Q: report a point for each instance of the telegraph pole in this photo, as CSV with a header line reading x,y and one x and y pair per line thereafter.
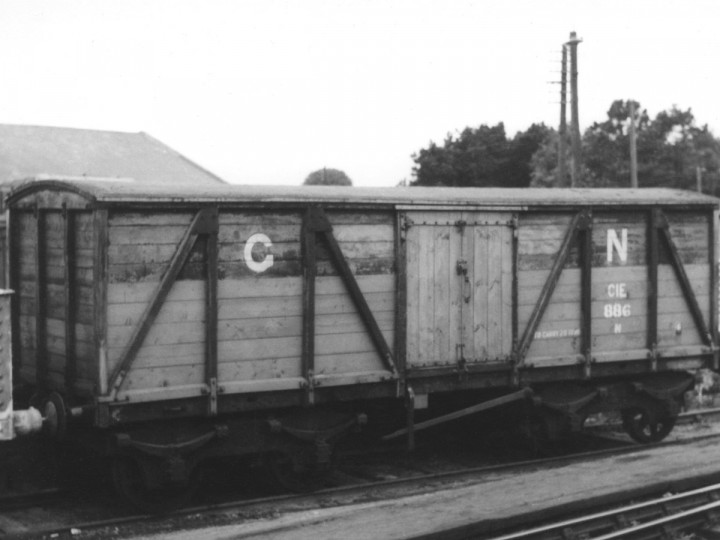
x,y
575,128
562,172
633,147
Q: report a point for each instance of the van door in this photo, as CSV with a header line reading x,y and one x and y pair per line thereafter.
x,y
459,287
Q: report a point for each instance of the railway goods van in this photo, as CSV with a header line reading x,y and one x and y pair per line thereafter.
x,y
172,325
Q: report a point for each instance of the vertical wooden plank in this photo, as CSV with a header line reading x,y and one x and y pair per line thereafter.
x,y
455,322
100,285
426,301
441,293
41,300
401,293
412,261
507,271
476,344
465,256
495,314
69,256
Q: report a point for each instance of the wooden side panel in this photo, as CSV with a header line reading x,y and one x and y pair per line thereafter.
x,y
259,298
620,282
53,292
84,276
691,233
557,338
620,288
25,230
140,248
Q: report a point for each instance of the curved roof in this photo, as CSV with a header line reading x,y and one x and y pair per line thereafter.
x,y
111,192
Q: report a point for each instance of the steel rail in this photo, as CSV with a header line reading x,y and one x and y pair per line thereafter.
x,y
626,514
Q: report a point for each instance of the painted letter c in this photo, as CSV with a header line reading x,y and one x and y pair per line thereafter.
x,y
267,262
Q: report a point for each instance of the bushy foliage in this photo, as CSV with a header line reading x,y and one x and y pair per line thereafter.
x,y
327,177
479,157
670,148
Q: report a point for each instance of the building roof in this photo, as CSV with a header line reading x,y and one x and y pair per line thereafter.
x,y
31,151
101,192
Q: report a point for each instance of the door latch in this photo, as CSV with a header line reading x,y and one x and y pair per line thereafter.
x,y
462,270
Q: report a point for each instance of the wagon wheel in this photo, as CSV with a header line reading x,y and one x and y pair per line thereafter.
x,y
638,423
54,415
128,480
291,475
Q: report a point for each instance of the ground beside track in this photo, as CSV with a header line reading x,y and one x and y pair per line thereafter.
x,y
498,500
297,517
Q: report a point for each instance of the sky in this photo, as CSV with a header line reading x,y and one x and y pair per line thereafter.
x,y
265,92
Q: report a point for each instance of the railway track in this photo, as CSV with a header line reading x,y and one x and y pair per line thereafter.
x,y
662,517
354,489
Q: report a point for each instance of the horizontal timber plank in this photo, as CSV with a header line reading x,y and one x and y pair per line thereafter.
x,y
347,363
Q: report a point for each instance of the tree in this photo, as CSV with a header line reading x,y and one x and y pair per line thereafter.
x,y
327,177
544,164
670,148
674,148
606,145
479,157
522,149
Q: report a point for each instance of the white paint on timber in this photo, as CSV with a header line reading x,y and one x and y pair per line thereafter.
x,y
560,333
617,290
617,244
267,262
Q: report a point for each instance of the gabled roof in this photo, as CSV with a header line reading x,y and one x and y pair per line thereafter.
x,y
31,151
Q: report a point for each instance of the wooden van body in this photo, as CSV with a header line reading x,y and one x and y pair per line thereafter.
x,y
146,302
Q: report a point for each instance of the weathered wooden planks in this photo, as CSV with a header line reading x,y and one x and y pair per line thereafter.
x,y
459,300
465,268
59,271
620,288
259,296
